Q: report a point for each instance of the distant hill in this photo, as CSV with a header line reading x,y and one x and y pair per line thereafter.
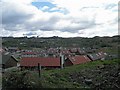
x,y
59,41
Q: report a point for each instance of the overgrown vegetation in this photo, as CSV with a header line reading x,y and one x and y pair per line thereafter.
x,y
98,74
20,79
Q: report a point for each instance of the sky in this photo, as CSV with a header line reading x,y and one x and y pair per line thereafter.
x,y
63,18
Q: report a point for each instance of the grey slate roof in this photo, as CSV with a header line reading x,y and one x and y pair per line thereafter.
x,y
94,56
5,58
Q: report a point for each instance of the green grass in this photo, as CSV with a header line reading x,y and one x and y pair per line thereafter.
x,y
60,78
77,68
112,50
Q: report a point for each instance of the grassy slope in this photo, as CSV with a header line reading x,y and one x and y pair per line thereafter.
x,y
74,76
102,73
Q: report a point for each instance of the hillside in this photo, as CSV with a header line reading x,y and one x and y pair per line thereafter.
x,y
39,42
98,74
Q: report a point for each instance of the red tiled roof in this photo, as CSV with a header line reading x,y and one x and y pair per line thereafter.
x,y
65,52
79,59
73,50
33,61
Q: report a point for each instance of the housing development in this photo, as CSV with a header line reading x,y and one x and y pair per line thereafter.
x,y
37,58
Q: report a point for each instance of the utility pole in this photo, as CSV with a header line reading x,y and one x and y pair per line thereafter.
x,y
39,69
61,61
3,68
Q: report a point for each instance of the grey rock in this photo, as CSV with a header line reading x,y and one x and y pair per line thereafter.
x,y
88,81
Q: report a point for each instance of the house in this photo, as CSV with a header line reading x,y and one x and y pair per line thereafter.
x,y
29,54
102,55
66,52
52,52
12,49
73,50
42,53
77,51
45,62
80,51
74,60
8,61
97,56
89,50
93,57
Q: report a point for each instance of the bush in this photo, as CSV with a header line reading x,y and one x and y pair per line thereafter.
x,y
21,79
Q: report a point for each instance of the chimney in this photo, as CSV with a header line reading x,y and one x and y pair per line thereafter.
x,y
62,61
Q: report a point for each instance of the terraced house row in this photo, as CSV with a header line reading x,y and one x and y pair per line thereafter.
x,y
58,62
51,58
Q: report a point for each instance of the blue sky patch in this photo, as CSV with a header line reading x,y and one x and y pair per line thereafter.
x,y
40,5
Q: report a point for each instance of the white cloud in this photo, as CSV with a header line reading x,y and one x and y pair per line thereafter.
x,y
83,18
43,0
45,8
